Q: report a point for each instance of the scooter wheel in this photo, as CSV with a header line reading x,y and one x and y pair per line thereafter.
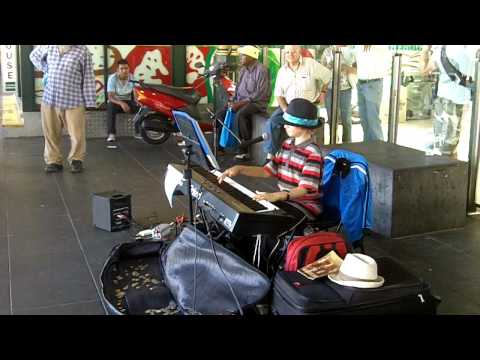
x,y
151,130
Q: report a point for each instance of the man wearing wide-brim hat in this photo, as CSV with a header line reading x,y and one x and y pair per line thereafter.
x,y
252,93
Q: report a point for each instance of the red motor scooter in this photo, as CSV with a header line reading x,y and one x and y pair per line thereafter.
x,y
154,120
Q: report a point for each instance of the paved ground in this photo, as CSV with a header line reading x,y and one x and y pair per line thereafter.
x,y
51,255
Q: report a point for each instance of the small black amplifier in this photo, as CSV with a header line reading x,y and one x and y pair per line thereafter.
x,y
112,210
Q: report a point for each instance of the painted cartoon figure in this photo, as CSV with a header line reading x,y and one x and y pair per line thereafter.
x,y
196,65
152,69
151,64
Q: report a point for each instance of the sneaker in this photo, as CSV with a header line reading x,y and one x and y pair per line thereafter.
x,y
138,136
76,166
51,168
242,156
111,137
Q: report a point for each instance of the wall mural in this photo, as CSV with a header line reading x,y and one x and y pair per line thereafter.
x,y
153,64
97,60
149,63
274,63
98,69
199,58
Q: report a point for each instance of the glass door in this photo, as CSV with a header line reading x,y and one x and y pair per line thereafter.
x,y
416,98
367,90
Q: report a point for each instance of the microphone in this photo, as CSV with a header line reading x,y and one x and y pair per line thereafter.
x,y
247,143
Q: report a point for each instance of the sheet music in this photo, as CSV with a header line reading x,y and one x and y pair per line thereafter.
x,y
173,178
213,161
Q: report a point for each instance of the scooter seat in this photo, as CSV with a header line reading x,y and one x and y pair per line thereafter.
x,y
188,95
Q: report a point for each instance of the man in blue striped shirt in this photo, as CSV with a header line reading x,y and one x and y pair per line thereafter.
x,y
69,89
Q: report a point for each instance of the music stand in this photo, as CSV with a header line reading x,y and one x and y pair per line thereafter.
x,y
193,135
197,150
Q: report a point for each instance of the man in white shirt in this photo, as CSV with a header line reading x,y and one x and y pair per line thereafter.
x,y
451,94
297,78
372,63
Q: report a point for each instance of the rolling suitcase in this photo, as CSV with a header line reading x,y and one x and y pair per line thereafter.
x,y
402,293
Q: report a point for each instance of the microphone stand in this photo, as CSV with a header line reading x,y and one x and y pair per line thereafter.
x,y
187,172
214,117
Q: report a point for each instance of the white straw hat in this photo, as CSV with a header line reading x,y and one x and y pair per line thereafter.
x,y
249,50
358,270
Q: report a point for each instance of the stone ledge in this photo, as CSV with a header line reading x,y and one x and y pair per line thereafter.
x,y
96,125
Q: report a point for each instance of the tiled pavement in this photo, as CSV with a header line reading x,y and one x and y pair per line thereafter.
x,y
51,255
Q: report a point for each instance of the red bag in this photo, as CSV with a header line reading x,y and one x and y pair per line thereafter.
x,y
304,250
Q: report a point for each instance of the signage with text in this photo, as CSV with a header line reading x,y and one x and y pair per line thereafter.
x,y
9,67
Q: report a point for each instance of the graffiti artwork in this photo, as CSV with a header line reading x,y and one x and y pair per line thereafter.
x,y
199,58
97,60
273,67
152,64
149,63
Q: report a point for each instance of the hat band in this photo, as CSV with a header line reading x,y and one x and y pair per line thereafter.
x,y
351,278
300,121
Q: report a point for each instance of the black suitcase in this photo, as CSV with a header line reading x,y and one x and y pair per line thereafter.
x,y
132,281
402,293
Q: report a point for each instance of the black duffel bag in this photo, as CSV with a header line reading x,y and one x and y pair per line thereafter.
x,y
132,281
206,278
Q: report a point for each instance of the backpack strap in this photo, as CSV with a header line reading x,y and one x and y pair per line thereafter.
x,y
451,70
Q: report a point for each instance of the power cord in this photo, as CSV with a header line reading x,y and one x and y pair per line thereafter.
x,y
279,238
136,227
151,230
256,253
195,257
200,192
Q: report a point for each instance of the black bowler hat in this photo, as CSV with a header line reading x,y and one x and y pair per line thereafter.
x,y
302,113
